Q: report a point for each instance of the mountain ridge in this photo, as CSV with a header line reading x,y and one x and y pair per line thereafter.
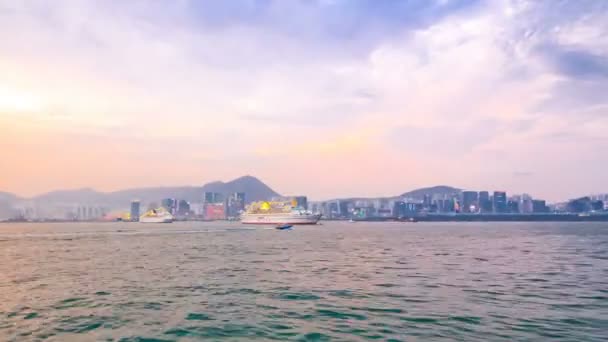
x,y
254,188
432,190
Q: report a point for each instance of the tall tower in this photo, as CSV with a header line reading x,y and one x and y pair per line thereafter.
x,y
135,210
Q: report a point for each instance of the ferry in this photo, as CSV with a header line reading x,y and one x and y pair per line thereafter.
x,y
278,213
159,215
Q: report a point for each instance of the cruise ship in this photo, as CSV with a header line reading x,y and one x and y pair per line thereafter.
x,y
159,215
278,213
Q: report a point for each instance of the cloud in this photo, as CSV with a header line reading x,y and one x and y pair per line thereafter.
x,y
388,88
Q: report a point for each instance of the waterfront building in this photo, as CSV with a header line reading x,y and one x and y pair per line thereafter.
x,y
526,206
485,203
135,211
333,210
539,206
469,201
236,204
315,207
407,208
198,210
213,197
169,204
500,202
183,208
513,206
89,213
215,211
301,201
426,201
344,208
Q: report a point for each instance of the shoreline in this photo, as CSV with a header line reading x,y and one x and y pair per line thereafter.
x,y
409,219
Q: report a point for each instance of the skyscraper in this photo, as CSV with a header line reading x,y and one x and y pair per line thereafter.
x,y
485,204
513,207
301,201
209,197
539,206
236,204
213,197
170,204
426,201
500,202
183,208
469,201
526,206
135,211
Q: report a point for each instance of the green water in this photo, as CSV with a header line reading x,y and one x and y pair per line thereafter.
x,y
337,281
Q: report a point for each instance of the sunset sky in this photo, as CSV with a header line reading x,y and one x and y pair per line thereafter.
x,y
326,98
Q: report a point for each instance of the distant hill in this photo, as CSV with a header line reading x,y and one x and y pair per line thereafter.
x,y
85,195
415,194
434,190
254,189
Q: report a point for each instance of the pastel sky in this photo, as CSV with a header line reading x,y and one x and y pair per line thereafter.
x,y
326,98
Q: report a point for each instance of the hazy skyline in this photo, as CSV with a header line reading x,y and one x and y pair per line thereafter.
x,y
325,98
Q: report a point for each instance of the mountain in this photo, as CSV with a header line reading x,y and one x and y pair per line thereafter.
x,y
414,194
85,195
254,189
434,190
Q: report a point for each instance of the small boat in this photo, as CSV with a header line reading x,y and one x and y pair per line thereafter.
x,y
284,227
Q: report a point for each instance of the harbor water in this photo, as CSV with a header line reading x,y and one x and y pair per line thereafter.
x,y
337,281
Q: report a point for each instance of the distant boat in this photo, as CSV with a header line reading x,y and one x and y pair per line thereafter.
x,y
159,215
284,227
278,212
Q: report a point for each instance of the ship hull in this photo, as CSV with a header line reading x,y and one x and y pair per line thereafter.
x,y
155,219
280,219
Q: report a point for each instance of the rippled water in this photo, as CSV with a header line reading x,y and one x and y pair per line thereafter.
x,y
337,281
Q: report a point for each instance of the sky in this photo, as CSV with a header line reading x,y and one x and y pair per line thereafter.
x,y
326,98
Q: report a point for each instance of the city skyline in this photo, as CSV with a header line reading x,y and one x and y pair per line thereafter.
x,y
397,194
328,98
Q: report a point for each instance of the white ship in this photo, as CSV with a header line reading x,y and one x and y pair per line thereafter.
x,y
278,213
159,215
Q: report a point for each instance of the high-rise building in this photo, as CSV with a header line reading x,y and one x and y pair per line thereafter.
x,y
407,208
215,211
209,197
183,208
526,206
315,207
539,206
170,205
470,202
301,201
135,211
236,204
441,205
344,208
500,202
513,206
87,213
485,204
213,197
198,209
426,201
334,209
